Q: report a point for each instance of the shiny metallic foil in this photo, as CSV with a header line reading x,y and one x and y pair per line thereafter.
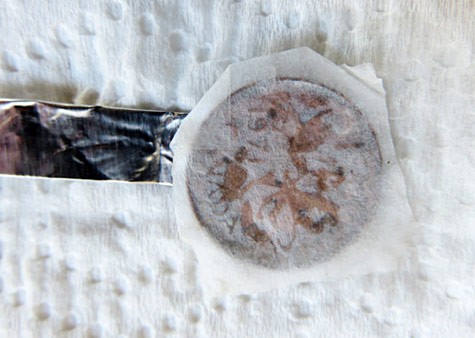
x,y
86,142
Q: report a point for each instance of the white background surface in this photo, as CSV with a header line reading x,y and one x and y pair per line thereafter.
x,y
85,259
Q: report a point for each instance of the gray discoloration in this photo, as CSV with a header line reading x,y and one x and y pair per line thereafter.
x,y
287,175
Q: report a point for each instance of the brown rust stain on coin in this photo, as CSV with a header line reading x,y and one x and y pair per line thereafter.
x,y
285,174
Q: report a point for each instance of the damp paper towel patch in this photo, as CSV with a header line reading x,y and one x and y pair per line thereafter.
x,y
285,172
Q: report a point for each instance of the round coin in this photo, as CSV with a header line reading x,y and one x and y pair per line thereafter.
x,y
286,173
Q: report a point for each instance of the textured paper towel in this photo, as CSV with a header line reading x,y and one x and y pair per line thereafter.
x,y
79,261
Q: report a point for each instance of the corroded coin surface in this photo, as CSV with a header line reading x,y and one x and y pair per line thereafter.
x,y
285,174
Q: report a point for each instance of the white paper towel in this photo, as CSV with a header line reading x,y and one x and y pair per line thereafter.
x,y
79,261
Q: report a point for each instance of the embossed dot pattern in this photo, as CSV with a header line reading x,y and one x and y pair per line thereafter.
x,y
287,174
424,52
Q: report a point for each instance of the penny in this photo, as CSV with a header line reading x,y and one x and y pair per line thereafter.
x,y
287,175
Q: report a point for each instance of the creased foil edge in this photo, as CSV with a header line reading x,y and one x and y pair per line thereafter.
x,y
86,142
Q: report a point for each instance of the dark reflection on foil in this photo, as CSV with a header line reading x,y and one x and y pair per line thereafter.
x,y
86,142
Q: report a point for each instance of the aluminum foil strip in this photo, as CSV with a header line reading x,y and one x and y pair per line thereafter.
x,y
86,142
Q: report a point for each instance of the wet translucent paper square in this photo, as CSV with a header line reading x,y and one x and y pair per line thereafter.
x,y
285,172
